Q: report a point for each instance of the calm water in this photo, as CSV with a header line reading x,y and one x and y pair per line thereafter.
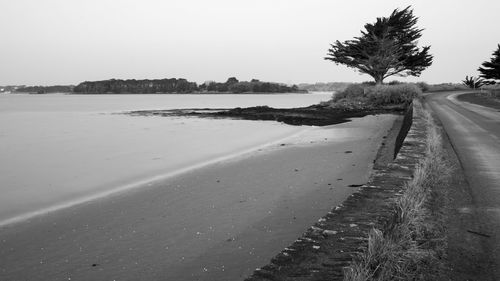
x,y
59,149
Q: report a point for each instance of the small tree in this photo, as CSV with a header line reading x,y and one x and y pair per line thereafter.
x,y
491,69
474,82
387,47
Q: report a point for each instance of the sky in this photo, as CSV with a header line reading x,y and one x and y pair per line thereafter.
x,y
69,41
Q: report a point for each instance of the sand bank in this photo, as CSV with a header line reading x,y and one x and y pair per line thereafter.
x,y
218,222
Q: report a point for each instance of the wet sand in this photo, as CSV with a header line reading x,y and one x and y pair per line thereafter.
x,y
57,150
219,222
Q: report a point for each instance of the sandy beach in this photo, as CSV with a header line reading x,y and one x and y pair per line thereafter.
x,y
219,222
59,149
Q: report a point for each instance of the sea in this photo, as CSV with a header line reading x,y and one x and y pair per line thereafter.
x,y
57,150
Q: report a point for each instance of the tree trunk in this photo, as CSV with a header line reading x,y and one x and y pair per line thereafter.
x,y
379,80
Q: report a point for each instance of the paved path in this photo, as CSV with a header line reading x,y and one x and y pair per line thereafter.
x,y
474,132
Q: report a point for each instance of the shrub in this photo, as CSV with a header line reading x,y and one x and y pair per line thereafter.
x,y
378,95
494,90
395,82
423,86
365,96
396,94
353,91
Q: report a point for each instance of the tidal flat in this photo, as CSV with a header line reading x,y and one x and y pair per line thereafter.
x,y
58,150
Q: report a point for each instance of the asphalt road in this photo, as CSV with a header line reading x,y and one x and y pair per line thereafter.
x,y
474,132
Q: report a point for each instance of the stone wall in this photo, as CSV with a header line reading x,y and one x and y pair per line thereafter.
x,y
405,127
331,244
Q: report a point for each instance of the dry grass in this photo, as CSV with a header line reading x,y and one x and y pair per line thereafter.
x,y
410,245
445,87
492,91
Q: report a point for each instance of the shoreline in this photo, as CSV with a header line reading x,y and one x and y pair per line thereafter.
x,y
146,181
95,159
132,229
176,93
196,93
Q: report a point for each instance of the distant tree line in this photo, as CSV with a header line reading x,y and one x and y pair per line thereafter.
x,y
45,89
173,85
254,86
10,88
133,86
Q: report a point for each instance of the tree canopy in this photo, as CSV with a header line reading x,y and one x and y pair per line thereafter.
x,y
385,48
491,69
46,89
144,86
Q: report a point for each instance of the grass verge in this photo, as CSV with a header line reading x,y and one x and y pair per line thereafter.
x,y
411,245
489,96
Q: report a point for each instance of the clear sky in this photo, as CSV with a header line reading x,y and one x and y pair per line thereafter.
x,y
46,42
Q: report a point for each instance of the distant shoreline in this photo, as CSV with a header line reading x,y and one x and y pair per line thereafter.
x,y
196,93
167,93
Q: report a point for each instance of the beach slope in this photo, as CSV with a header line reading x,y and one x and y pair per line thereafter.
x,y
218,222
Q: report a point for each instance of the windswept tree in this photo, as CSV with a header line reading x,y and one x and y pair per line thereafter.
x,y
491,69
385,48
